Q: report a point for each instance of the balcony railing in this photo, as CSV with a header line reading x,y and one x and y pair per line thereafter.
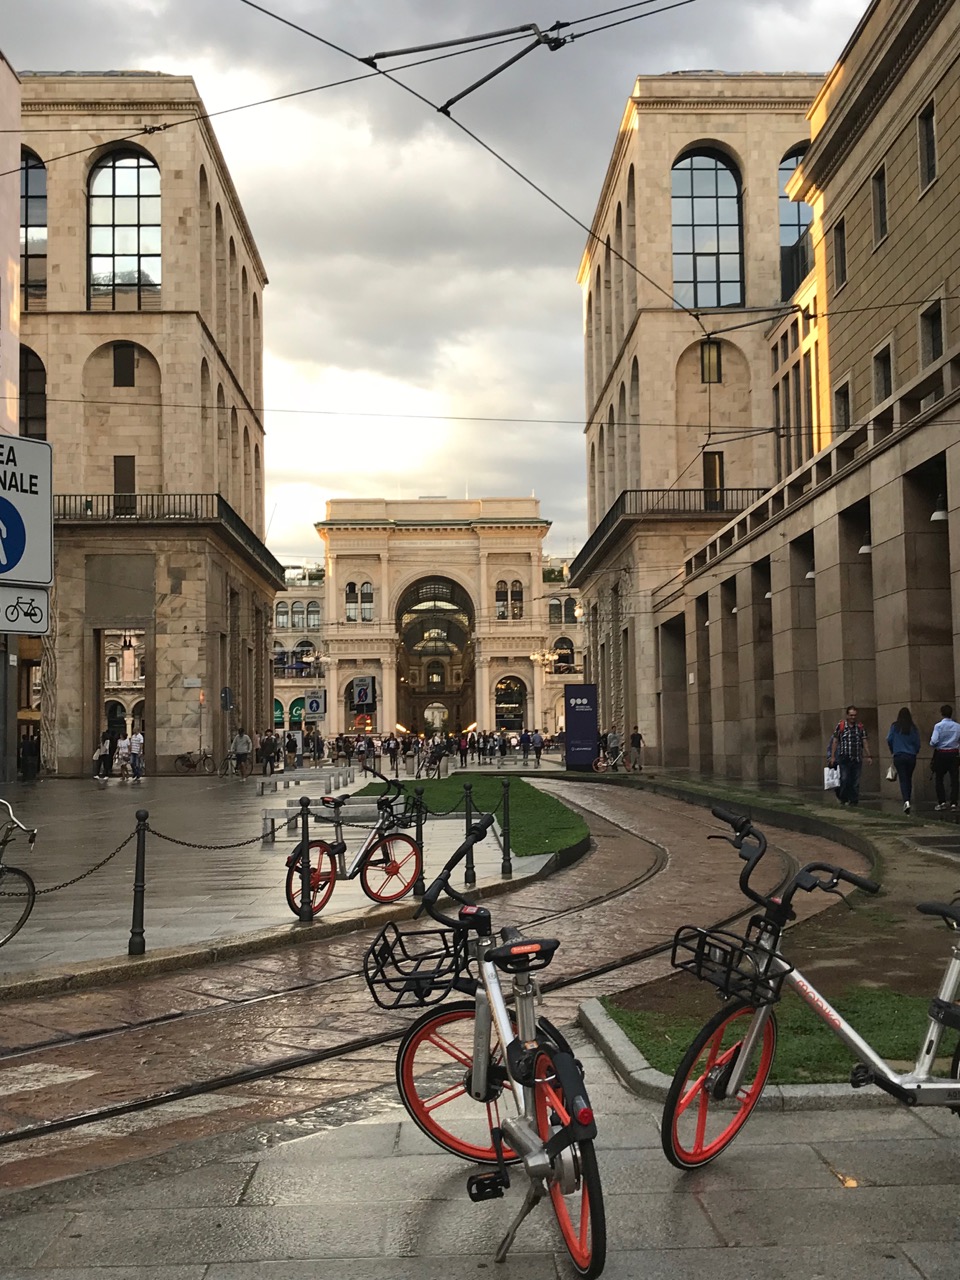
x,y
150,508
656,504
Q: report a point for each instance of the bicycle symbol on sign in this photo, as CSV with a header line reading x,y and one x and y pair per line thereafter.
x,y
28,609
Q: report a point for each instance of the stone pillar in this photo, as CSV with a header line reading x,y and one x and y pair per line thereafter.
x,y
725,680
334,722
536,711
757,702
672,726
483,699
388,694
800,750
699,699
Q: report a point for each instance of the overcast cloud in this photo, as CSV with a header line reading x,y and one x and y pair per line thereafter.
x,y
413,278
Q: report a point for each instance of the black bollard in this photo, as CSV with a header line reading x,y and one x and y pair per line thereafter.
x,y
470,871
306,888
137,945
419,887
506,865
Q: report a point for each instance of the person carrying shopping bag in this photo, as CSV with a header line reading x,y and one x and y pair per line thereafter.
x,y
904,743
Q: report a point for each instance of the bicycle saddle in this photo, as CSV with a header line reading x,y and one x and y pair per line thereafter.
x,y
334,802
523,954
949,912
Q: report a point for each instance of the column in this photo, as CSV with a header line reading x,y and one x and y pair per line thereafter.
x,y
757,701
537,710
388,694
334,721
725,679
800,751
484,695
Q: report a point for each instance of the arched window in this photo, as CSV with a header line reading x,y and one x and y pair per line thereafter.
x,y
564,661
516,598
282,616
435,676
795,218
554,612
501,598
33,233
707,231
124,229
297,615
570,610
352,601
510,703
33,395
313,615
366,602
113,670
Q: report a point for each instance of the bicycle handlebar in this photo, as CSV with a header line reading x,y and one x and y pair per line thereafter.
x,y
15,821
442,883
806,878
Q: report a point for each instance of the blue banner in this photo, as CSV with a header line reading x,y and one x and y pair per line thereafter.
x,y
582,732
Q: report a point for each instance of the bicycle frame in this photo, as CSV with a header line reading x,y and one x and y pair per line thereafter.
x,y
386,822
914,1088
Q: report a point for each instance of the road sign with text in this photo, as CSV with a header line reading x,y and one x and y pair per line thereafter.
x,y
26,511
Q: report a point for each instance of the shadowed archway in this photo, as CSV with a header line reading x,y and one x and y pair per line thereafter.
x,y
435,622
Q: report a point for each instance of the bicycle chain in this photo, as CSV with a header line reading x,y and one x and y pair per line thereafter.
x,y
76,879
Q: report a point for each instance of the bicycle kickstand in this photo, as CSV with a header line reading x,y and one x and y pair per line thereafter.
x,y
530,1201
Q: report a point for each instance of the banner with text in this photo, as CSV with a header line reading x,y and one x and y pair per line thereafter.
x,y
580,705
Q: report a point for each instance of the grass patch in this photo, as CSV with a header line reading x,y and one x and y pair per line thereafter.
x,y
538,823
807,1053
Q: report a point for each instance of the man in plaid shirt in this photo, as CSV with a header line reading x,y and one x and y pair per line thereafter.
x,y
848,750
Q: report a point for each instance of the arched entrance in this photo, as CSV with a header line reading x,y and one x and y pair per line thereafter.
x,y
435,666
510,703
116,714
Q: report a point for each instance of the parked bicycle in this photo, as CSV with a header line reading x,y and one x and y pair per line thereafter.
x,y
28,609
616,760
387,862
17,890
482,1051
238,768
195,762
429,763
722,1075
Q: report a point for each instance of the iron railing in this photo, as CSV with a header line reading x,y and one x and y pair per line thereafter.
x,y
670,503
148,508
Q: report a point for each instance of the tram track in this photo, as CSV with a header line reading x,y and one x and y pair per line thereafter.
x,y
347,985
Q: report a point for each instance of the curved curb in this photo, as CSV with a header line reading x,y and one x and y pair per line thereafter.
x,y
110,972
646,1082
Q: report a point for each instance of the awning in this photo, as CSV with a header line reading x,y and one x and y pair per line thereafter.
x,y
277,711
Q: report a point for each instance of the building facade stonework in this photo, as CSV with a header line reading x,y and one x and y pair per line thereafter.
x,y
141,362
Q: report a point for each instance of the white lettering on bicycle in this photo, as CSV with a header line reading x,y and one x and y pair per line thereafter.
x,y
817,1001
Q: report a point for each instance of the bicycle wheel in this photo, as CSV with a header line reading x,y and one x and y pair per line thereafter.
x,y
433,1067
224,767
245,767
390,868
575,1190
12,612
323,876
600,764
17,896
699,1121
208,764
184,764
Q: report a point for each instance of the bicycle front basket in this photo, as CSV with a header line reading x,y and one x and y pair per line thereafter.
x,y
413,968
736,965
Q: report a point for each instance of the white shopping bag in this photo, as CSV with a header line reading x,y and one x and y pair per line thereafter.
x,y
831,778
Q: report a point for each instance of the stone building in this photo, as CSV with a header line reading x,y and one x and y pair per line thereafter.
x,y
693,242
140,361
444,612
840,583
298,666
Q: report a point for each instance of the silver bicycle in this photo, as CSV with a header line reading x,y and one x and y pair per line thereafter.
x,y
17,890
722,1075
492,1049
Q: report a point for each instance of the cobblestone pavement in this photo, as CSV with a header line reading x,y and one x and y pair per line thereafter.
x,y
365,1196
250,1013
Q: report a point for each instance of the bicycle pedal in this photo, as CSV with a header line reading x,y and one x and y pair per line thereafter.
x,y
485,1186
860,1076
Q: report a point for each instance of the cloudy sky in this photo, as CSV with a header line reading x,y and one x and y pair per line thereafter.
x,y
423,320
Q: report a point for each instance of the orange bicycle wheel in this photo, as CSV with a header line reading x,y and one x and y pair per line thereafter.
x,y
323,876
391,868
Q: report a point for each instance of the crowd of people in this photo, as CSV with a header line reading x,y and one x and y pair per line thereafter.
x,y
384,752
849,748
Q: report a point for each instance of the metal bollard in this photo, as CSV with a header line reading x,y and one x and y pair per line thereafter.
x,y
470,871
306,889
506,865
419,887
137,945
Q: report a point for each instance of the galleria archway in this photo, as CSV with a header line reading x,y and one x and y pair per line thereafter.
x,y
435,668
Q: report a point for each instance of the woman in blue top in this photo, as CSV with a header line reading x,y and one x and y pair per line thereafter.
x,y
904,742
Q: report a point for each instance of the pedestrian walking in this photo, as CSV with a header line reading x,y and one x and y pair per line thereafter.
x,y
848,749
636,750
904,743
123,757
526,742
536,741
103,757
290,748
945,741
30,757
502,747
268,751
614,744
463,746
136,755
241,747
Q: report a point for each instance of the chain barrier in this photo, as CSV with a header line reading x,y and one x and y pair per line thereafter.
x,y
238,844
76,879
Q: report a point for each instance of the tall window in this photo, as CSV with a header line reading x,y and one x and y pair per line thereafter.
x,y
713,480
297,615
366,602
707,226
879,186
352,601
796,258
33,233
282,616
516,598
570,610
931,334
839,254
927,144
124,226
882,375
501,597
33,395
564,661
554,612
313,615
435,675
841,407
